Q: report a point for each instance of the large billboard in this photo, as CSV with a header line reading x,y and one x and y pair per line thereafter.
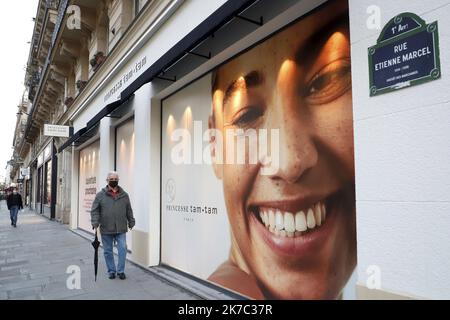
x,y
258,184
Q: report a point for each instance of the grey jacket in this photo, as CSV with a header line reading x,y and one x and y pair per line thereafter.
x,y
112,215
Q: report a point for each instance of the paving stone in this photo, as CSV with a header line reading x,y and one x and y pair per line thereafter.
x,y
25,284
7,268
29,293
181,296
97,296
8,280
10,272
13,263
61,294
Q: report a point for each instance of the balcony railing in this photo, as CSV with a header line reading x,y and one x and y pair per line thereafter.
x,y
62,8
59,19
52,4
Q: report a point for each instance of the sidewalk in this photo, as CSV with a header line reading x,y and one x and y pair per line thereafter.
x,y
34,258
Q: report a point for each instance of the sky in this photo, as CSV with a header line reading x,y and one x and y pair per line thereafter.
x,y
16,29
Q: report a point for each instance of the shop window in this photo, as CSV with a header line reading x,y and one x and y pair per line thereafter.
x,y
48,183
89,183
39,186
205,195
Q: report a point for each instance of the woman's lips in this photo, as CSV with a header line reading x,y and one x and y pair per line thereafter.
x,y
289,233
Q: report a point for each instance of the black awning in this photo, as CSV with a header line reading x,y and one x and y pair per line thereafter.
x,y
88,134
104,112
89,131
215,21
72,139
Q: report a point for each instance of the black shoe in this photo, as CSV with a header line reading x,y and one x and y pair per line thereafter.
x,y
112,276
122,276
14,225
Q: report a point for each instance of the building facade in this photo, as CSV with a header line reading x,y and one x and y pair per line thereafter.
x,y
152,90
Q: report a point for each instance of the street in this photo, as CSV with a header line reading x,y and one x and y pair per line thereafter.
x,y
35,256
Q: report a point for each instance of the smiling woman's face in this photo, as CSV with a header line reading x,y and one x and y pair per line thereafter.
x,y
293,230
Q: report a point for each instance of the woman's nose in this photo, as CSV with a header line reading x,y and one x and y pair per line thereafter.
x,y
297,151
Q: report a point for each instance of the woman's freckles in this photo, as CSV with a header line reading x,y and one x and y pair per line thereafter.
x,y
293,230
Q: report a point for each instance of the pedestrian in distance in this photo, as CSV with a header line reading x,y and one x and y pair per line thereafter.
x,y
14,202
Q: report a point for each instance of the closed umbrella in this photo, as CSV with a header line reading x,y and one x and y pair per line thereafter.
x,y
95,244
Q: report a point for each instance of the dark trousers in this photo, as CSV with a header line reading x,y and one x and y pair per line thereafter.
x,y
13,214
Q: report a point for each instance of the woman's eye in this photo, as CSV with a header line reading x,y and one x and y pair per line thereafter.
x,y
329,84
246,116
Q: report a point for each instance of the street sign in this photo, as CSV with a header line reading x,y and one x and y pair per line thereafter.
x,y
53,130
406,54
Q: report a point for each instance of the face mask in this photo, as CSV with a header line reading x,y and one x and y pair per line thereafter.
x,y
15,192
113,184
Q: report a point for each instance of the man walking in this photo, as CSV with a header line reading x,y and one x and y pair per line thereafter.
x,y
14,202
112,211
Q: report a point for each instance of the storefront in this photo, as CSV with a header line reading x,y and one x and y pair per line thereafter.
x,y
238,147
28,192
156,136
64,186
27,184
245,222
45,178
90,179
89,183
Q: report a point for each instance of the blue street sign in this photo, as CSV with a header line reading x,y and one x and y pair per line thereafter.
x,y
407,54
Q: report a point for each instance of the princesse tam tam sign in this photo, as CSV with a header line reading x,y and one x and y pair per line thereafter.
x,y
406,54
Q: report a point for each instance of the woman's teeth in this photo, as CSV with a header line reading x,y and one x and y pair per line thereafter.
x,y
287,224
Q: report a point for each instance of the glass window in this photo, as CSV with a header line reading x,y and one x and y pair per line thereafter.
x,y
89,183
39,186
48,183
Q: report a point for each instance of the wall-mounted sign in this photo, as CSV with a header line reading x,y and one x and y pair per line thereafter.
x,y
19,180
136,69
53,130
406,54
25,171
